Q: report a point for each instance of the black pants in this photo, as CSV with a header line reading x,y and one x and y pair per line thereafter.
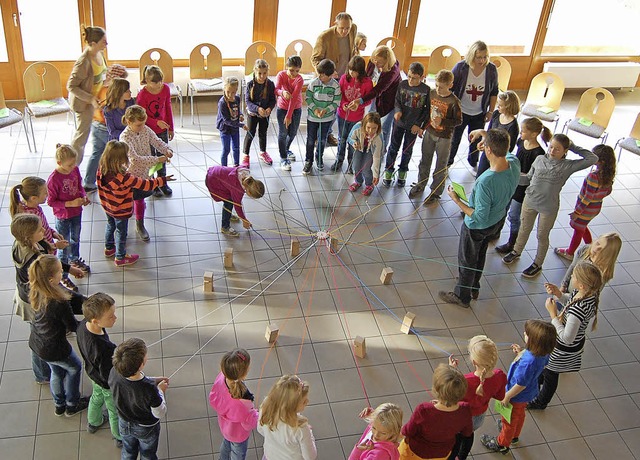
x,y
548,383
462,447
262,124
473,122
162,172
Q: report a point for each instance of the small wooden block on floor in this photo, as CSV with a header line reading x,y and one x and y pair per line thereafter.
x,y
295,248
228,258
360,347
207,285
407,323
387,275
271,334
334,244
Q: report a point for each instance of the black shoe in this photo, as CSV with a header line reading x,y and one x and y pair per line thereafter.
x,y
166,190
450,297
92,428
88,189
306,169
83,403
350,170
510,257
505,248
67,283
535,405
119,443
60,410
336,166
475,293
533,270
141,230
157,192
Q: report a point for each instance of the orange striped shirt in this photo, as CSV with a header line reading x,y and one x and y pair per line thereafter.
x,y
116,192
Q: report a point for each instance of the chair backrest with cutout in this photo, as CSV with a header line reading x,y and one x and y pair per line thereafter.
x,y
159,57
205,62
443,57
635,131
260,50
41,82
597,105
398,48
303,49
504,72
546,90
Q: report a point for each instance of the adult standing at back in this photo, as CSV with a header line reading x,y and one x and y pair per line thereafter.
x,y
337,43
475,83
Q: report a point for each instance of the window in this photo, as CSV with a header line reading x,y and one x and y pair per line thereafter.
x,y
4,57
507,27
50,30
294,26
375,25
595,28
134,27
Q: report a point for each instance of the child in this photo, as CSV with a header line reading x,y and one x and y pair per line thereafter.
x,y
445,115
547,176
323,97
289,99
412,109
118,101
229,185
380,439
522,386
155,98
116,189
260,100
233,402
504,117
54,307
603,253
353,85
484,383
140,138
67,197
360,43
287,434
97,351
596,186
571,324
528,150
431,431
229,121
366,140
140,400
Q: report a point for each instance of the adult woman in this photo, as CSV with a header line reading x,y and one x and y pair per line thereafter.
x,y
475,83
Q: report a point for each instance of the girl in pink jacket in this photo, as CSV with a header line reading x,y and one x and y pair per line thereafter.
x,y
380,440
233,402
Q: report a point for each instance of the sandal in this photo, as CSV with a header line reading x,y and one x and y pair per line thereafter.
x,y
563,253
355,186
67,283
367,190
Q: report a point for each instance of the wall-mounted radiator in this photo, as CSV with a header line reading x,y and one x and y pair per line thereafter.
x,y
590,74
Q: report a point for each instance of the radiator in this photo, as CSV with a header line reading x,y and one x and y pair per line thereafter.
x,y
592,74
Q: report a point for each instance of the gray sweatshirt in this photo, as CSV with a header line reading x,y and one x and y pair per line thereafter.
x,y
547,176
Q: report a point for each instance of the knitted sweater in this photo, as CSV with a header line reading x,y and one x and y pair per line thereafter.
x,y
140,157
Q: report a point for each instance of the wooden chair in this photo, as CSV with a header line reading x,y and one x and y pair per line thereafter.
x,y
303,49
43,94
159,57
205,72
544,98
260,50
593,114
398,48
504,72
443,57
11,116
631,143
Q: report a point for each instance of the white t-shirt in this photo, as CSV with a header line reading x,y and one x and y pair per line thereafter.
x,y
288,443
471,100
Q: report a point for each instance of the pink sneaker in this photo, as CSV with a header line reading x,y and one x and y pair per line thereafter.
x,y
245,161
367,190
264,156
128,259
109,252
355,186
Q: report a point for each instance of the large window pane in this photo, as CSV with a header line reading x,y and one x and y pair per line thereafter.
x,y
594,27
134,27
3,42
508,27
50,30
293,25
375,26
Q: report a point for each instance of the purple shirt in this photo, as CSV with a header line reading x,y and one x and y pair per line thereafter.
x,y
62,188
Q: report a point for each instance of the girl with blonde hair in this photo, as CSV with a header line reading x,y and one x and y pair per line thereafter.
x,y
380,439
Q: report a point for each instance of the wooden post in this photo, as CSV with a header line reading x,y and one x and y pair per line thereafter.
x,y
208,282
334,244
387,275
271,334
295,248
360,347
407,323
228,258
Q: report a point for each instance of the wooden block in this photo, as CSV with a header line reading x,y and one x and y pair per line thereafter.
x,y
334,244
228,258
295,248
407,323
360,347
271,334
386,275
208,282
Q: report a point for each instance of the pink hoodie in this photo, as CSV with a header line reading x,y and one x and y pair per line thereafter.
x,y
382,450
236,417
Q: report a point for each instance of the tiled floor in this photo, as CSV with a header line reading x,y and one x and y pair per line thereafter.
x,y
321,301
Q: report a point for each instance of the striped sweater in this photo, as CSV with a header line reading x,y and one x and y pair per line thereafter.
x,y
325,97
48,231
116,192
589,201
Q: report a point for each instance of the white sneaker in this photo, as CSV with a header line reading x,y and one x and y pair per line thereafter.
x,y
285,165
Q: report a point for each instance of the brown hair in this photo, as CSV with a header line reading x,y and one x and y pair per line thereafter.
x,y
134,113
231,82
116,90
97,305
512,102
563,140
449,385
93,34
282,402
115,158
534,125
360,37
484,354
542,337
129,356
30,186
253,187
387,53
372,117
498,141
235,365
65,152
152,73
444,76
41,290
356,64
591,276
606,164
473,49
606,259
23,227
260,64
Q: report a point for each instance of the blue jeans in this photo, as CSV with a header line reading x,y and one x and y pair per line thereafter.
x,y
65,380
387,124
515,208
229,140
316,131
233,450
286,135
70,231
362,163
344,129
41,370
118,228
473,122
396,140
227,207
99,138
139,439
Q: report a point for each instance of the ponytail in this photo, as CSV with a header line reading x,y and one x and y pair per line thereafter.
x,y
480,389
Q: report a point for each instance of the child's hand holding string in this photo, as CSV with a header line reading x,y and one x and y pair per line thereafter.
x,y
551,307
169,153
170,178
516,348
61,243
552,289
453,361
163,125
246,224
367,411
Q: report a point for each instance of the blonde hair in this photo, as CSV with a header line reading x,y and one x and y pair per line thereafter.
x,y
606,259
360,37
534,125
484,354
235,365
152,73
512,102
387,53
444,76
253,187
449,385
231,82
390,417
591,276
23,227
134,113
282,402
30,186
41,290
65,152
115,158
260,64
473,49
116,90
